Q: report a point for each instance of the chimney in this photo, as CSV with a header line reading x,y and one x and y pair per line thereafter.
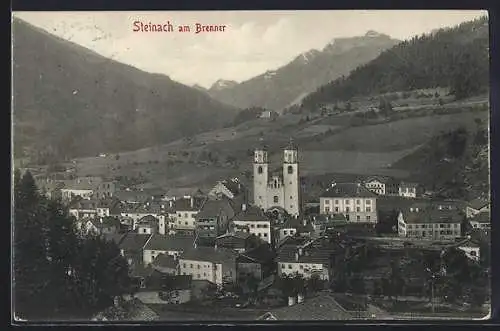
x,y
301,251
291,301
296,256
192,202
243,207
416,209
300,298
171,203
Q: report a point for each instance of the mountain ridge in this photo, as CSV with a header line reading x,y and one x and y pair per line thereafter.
x,y
71,101
276,89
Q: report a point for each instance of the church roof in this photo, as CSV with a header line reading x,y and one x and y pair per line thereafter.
x,y
291,145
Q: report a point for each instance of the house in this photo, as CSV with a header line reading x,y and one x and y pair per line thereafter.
x,y
214,264
269,114
312,258
477,206
164,263
321,307
237,241
83,208
173,245
481,221
108,207
184,213
132,247
323,224
147,225
230,188
83,187
158,288
354,201
213,219
257,223
104,190
471,249
382,185
431,222
257,263
408,190
50,189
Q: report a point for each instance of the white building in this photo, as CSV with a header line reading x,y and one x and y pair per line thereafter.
x,y
254,219
311,258
354,201
84,209
408,190
165,244
277,190
477,206
481,221
216,265
382,185
430,222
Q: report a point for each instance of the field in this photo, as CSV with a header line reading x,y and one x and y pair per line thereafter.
x,y
327,145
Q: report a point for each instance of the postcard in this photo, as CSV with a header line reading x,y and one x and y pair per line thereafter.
x,y
214,166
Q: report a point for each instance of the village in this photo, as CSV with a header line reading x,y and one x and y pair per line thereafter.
x,y
371,249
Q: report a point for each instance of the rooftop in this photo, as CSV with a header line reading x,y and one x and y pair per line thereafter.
x,y
211,254
252,213
164,261
482,217
478,203
213,208
432,215
160,242
348,190
320,307
134,241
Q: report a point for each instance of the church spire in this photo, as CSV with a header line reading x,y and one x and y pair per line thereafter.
x,y
291,145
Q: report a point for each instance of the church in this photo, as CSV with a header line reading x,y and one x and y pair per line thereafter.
x,y
279,189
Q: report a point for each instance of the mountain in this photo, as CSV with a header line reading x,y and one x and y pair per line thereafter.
x,y
277,89
221,85
200,88
455,58
70,101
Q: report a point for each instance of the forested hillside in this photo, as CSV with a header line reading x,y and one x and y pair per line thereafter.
x,y
457,58
70,101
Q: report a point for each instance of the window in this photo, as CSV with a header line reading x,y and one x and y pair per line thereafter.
x,y
368,209
358,202
290,169
191,265
327,209
368,202
198,276
198,266
153,252
260,234
289,266
347,217
144,230
205,274
473,253
184,265
301,266
291,196
346,209
336,202
347,202
336,209
285,232
283,266
327,202
358,209
259,170
358,218
368,217
185,223
275,199
265,234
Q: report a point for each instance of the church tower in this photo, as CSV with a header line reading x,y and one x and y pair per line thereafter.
x,y
291,179
260,178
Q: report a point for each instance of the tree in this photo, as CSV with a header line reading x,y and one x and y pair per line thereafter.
x,y
315,284
54,269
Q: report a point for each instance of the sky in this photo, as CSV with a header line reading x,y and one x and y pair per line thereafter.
x,y
253,41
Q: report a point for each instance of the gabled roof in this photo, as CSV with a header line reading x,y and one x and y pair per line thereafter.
x,y
211,254
382,179
84,204
478,203
348,190
164,261
188,204
321,307
431,215
134,241
213,208
261,254
115,237
482,217
161,242
252,213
